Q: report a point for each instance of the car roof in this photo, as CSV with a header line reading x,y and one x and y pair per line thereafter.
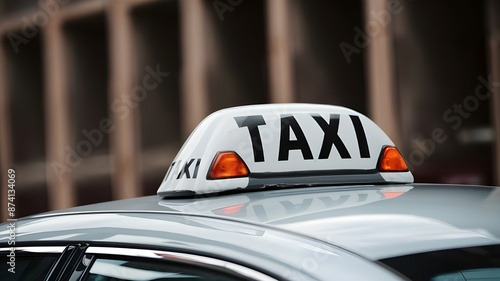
x,y
258,246
374,221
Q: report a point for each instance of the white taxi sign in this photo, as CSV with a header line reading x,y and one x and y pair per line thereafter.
x,y
283,145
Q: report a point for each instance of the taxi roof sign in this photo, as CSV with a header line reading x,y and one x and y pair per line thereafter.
x,y
283,145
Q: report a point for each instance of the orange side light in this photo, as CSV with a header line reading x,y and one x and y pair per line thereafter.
x,y
227,165
391,160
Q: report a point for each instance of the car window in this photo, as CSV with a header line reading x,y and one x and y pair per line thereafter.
x,y
480,274
106,269
26,268
465,264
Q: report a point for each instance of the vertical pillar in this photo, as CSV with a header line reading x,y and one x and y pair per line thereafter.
x,y
279,51
61,193
493,26
194,83
381,74
124,141
5,130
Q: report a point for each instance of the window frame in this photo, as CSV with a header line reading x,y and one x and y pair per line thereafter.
x,y
35,251
110,252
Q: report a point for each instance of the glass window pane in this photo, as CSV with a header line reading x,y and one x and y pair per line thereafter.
x,y
25,268
147,269
471,264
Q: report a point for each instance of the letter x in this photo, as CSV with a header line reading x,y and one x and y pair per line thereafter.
x,y
185,170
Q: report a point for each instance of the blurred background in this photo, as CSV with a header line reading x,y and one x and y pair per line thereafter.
x,y
96,96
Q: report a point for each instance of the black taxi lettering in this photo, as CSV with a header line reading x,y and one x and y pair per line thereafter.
x,y
185,168
331,136
288,122
361,136
169,172
252,123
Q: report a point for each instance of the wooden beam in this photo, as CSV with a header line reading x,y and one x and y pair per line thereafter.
x,y
194,82
61,193
124,139
79,10
74,11
381,74
279,51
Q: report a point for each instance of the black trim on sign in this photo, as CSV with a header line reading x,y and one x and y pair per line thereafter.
x,y
313,180
177,194
263,181
310,173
